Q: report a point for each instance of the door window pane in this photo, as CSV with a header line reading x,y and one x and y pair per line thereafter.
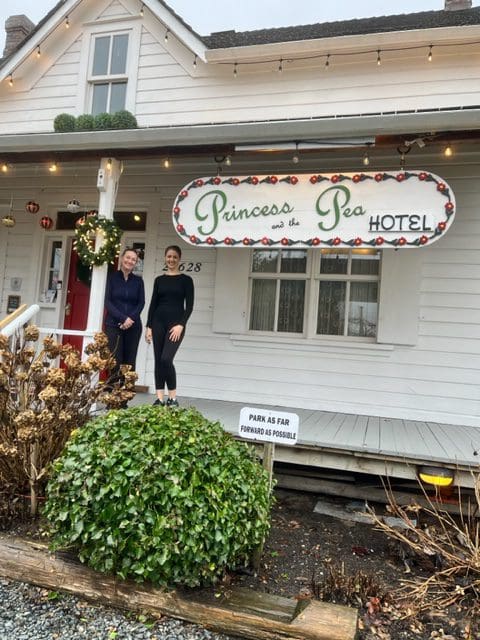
x,y
331,308
262,316
119,54
363,309
293,262
100,56
291,306
117,96
100,97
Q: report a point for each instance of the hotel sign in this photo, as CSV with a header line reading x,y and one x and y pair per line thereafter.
x,y
383,209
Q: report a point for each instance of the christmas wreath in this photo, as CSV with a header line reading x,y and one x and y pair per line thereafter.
x,y
85,244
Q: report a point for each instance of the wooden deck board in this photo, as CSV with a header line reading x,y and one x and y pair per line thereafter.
x,y
353,436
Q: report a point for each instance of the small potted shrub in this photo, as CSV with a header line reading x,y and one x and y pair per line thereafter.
x,y
85,122
124,120
64,122
158,494
102,121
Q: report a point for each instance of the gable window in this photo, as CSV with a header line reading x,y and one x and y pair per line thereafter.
x,y
108,74
331,292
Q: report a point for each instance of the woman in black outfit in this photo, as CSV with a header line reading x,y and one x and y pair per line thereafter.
x,y
170,308
124,301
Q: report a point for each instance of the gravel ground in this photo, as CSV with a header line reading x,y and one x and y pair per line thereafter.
x,y
32,613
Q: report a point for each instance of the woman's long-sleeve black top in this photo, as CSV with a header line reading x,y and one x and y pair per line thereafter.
x,y
172,300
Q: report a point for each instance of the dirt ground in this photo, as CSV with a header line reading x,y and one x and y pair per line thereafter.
x,y
307,554
310,555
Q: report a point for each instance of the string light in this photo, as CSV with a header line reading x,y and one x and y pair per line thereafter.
x,y
53,167
109,164
430,54
280,66
295,157
195,61
379,60
39,53
166,163
327,61
166,35
235,70
142,10
448,152
10,80
228,161
366,159
67,23
4,167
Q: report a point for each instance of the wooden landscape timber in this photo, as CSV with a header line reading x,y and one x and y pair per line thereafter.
x,y
239,612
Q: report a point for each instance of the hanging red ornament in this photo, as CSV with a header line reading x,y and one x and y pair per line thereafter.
x,y
32,207
92,212
80,221
46,222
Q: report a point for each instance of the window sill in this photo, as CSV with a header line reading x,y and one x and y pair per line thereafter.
x,y
311,345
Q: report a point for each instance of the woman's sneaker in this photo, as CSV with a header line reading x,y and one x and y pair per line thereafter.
x,y
172,402
158,403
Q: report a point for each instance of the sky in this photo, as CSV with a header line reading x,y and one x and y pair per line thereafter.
x,y
209,16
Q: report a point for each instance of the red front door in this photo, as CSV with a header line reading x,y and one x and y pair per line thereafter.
x,y
76,303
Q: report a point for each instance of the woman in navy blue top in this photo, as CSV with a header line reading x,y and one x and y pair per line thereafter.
x,y
124,301
170,308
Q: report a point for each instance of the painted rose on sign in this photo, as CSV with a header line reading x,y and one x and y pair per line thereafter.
x,y
383,209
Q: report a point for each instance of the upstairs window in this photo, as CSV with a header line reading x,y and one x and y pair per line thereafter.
x,y
108,73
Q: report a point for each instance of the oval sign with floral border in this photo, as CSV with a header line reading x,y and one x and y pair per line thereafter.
x,y
383,209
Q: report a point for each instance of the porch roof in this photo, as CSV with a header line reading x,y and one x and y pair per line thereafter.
x,y
130,141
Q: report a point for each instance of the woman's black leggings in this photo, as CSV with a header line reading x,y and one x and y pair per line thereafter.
x,y
164,351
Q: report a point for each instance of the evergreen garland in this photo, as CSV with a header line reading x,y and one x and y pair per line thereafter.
x,y
110,248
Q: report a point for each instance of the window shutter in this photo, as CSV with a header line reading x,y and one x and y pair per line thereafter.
x,y
231,290
399,296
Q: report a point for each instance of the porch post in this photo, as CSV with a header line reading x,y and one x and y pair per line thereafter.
x,y
107,183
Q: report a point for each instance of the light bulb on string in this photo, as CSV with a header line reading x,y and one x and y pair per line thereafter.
x,y
280,66
53,167
448,152
4,167
327,61
379,59
228,161
10,80
366,159
167,32
295,157
39,53
235,70
430,53
195,61
109,164
142,10
67,23
166,163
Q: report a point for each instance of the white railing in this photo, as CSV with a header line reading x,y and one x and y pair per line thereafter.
x,y
17,319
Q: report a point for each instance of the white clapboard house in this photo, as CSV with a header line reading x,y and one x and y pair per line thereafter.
x,y
324,184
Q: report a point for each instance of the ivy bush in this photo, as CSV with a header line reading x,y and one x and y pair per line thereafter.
x,y
85,122
158,494
64,122
124,120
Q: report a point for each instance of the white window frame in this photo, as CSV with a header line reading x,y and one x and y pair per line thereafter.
x,y
312,278
131,27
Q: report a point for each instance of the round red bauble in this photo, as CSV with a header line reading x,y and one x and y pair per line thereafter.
x,y
254,180
316,241
265,240
356,178
402,240
32,207
441,186
184,194
423,239
294,179
357,241
422,176
176,210
313,179
217,180
180,228
273,179
46,223
449,206
335,178
210,240
379,177
235,181
400,177
284,241
199,183
442,226
193,239
337,240
246,241
379,240
227,241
